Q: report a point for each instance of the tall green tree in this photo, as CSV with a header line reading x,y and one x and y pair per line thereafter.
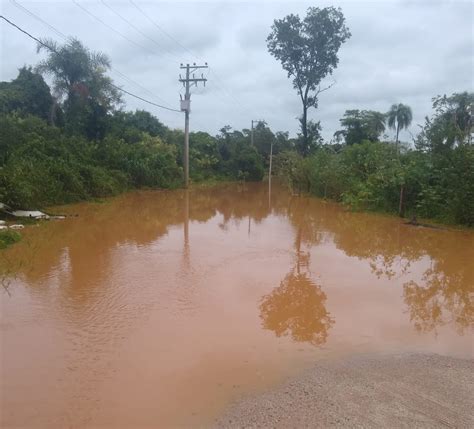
x,y
27,94
399,117
80,83
452,124
307,49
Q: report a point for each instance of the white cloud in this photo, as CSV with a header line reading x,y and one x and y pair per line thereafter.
x,y
400,51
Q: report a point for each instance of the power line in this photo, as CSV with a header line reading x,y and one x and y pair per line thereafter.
x,y
146,101
216,83
227,93
50,48
110,27
25,32
63,36
137,29
163,31
130,80
125,37
29,12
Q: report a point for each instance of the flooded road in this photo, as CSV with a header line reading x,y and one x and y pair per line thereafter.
x,y
157,309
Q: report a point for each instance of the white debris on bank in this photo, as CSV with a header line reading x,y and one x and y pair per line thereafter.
x,y
33,214
16,226
30,214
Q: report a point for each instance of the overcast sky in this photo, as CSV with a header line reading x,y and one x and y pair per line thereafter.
x,y
400,51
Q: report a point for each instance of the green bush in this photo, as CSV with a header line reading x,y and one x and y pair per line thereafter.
x,y
9,237
43,166
370,176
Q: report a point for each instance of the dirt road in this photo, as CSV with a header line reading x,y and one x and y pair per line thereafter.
x,y
406,391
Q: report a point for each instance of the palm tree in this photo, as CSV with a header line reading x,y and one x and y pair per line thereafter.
x,y
80,84
402,116
78,72
399,117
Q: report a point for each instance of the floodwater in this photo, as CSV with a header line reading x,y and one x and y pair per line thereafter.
x,y
159,308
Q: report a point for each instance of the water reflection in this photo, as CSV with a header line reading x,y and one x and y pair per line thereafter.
x,y
444,291
118,295
439,300
84,246
296,308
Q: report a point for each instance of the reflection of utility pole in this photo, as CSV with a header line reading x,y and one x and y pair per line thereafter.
x,y
270,176
186,227
186,218
299,235
186,107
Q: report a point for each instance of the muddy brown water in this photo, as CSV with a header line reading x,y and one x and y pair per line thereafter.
x,y
159,308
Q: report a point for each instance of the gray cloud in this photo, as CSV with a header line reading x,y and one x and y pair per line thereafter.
x,y
400,51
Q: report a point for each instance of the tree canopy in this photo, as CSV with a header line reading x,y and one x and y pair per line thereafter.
x,y
360,125
28,93
80,84
308,51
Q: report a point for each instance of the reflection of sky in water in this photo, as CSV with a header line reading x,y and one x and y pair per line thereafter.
x,y
197,292
441,295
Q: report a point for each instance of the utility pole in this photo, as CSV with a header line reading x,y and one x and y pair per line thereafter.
x,y
251,134
187,82
251,130
270,166
256,121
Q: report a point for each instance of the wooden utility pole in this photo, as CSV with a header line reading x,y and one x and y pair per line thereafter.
x,y
271,159
251,133
187,82
251,130
270,177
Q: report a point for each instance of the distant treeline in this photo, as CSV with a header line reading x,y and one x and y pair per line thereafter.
x,y
79,144
433,178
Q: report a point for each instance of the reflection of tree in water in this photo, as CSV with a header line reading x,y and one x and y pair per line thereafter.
x,y
443,295
440,299
445,292
297,307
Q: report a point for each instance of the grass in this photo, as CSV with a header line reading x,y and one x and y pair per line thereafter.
x,y
9,237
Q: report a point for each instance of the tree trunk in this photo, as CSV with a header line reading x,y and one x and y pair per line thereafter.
x,y
52,112
304,126
400,205
396,140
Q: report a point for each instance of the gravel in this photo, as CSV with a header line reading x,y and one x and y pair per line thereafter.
x,y
396,391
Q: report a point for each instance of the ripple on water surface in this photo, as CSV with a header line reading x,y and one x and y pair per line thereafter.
x,y
161,307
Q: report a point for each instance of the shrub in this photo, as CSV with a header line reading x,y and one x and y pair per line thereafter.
x,y
9,237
